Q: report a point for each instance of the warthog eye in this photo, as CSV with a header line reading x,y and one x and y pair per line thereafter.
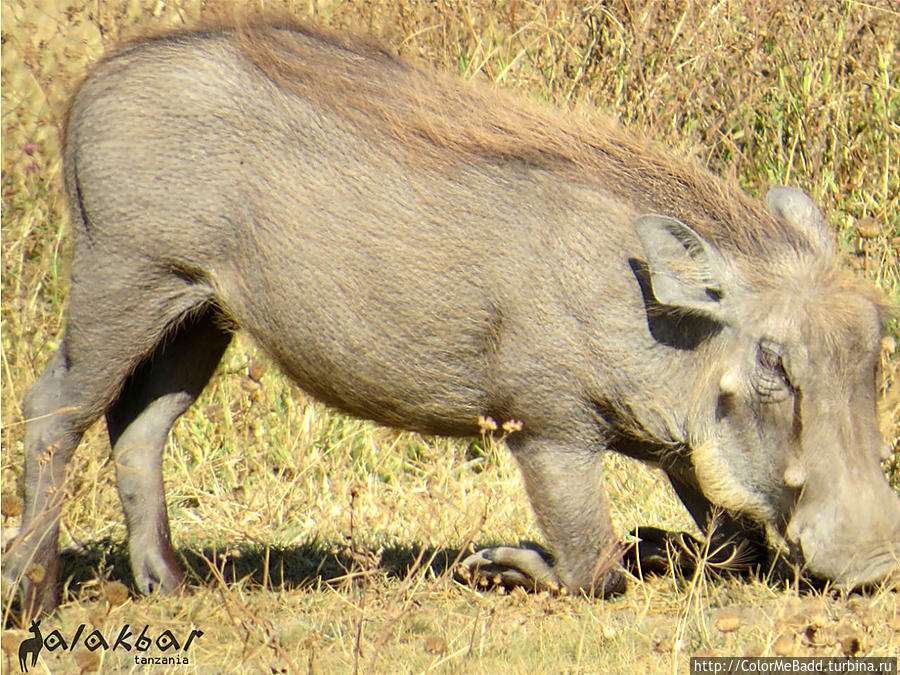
x,y
772,381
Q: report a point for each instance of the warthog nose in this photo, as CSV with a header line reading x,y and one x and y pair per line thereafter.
x,y
851,540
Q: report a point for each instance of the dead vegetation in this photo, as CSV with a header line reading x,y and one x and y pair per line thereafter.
x,y
317,542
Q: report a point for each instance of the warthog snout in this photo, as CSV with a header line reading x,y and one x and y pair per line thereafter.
x,y
848,530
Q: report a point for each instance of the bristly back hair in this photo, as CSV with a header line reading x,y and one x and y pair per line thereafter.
x,y
443,120
450,120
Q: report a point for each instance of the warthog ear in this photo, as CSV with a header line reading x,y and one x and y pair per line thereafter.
x,y
801,212
685,270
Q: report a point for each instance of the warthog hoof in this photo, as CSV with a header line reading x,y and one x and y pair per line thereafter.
x,y
661,552
509,567
531,567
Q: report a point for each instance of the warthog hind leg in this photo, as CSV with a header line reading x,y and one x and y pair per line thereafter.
x,y
156,394
56,415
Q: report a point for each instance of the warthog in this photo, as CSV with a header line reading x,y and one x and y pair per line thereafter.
x,y
421,252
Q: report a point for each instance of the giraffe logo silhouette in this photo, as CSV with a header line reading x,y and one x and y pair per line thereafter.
x,y
32,645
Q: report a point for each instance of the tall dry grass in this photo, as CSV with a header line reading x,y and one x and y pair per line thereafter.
x,y
317,542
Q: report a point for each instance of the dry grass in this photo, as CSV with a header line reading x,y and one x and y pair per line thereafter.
x,y
320,543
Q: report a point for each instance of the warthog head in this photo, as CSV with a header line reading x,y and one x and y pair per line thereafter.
x,y
784,428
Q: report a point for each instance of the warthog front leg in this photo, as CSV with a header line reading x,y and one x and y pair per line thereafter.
x,y
731,545
658,551
565,484
509,566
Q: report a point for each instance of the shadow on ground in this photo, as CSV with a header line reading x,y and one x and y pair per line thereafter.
x,y
306,565
319,563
